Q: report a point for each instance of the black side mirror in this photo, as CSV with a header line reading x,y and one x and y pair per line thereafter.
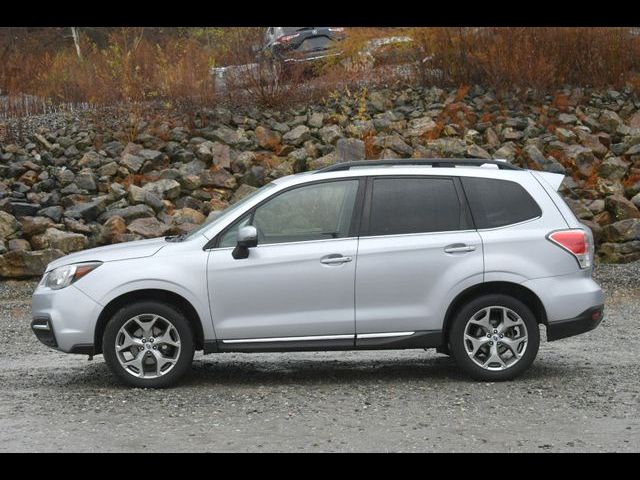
x,y
247,238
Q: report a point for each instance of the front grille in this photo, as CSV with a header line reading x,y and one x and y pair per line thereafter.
x,y
43,329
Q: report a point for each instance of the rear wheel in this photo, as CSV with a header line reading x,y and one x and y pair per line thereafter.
x,y
148,344
494,337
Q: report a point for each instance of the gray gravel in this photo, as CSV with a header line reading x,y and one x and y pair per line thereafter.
x,y
582,394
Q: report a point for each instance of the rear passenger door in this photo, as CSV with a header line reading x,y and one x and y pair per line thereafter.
x,y
417,250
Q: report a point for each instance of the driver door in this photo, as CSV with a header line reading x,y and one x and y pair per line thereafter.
x,y
296,288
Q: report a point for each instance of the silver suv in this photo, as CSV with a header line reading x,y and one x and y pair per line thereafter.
x,y
465,256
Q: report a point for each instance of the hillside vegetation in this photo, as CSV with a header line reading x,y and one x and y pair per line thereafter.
x,y
104,65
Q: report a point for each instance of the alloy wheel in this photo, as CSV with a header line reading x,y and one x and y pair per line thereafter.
x,y
148,346
495,338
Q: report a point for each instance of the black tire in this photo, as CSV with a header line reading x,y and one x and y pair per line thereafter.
x,y
457,343
172,315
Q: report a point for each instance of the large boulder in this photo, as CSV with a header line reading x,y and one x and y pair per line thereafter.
x,y
297,136
419,127
349,149
583,158
9,226
187,215
227,135
613,168
24,263
164,188
330,134
128,213
534,155
592,142
242,191
267,138
35,225
610,121
449,147
619,252
149,227
113,228
133,163
620,208
88,211
60,240
622,231
217,178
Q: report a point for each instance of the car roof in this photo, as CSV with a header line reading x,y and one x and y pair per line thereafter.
x,y
408,167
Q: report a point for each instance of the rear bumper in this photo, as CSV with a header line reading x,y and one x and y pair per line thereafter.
x,y
566,296
311,56
586,321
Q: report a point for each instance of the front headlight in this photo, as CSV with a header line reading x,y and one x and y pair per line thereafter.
x,y
64,276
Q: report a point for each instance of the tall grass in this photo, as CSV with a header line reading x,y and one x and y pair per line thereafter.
x,y
533,57
123,71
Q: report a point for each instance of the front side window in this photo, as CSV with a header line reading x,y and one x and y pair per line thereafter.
x,y
414,205
311,212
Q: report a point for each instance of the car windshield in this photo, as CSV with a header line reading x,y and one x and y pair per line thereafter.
x,y
224,214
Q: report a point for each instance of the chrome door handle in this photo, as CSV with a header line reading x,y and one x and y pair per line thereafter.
x,y
459,248
335,260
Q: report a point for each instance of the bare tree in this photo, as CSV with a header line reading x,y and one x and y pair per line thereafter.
x,y
75,33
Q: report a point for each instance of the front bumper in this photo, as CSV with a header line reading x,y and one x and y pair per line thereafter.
x,y
42,328
586,321
64,319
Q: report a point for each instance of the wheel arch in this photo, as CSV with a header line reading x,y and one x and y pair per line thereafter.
x,y
515,290
153,294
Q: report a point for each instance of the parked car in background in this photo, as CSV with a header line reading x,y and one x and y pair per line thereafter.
x,y
302,44
466,256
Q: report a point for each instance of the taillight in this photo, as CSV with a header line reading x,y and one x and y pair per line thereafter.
x,y
287,38
576,242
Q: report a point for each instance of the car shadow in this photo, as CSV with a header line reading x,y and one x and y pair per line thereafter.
x,y
256,370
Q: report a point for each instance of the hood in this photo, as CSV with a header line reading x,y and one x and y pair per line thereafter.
x,y
110,253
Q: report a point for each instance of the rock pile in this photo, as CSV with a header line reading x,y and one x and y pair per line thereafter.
x,y
75,185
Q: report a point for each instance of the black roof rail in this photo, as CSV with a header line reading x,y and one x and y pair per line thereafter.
x,y
432,162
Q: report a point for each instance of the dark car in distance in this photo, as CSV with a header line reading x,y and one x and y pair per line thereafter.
x,y
302,44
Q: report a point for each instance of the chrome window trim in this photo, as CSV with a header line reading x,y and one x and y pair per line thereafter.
x,y
417,234
289,243
510,225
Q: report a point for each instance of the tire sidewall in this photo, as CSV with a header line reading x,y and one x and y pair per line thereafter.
x,y
456,337
166,311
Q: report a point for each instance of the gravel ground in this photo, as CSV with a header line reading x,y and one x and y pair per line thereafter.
x,y
581,394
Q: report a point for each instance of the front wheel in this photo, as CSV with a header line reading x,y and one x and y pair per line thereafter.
x,y
148,344
494,338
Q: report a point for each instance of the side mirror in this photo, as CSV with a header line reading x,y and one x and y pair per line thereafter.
x,y
247,238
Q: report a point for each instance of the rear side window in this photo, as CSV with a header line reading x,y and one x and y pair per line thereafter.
x,y
414,205
496,203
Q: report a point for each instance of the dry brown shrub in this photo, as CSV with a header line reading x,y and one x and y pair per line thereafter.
x,y
131,64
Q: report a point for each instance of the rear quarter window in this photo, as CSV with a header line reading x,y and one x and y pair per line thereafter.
x,y
497,203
